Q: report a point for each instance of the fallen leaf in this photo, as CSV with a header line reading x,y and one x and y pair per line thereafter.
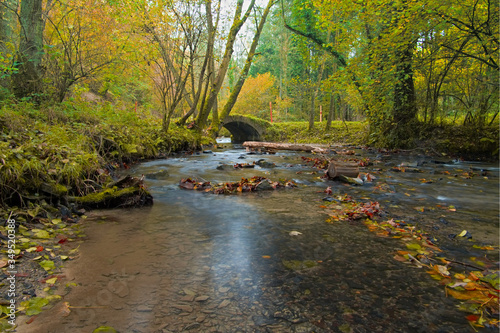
x,y
37,233
65,309
443,270
51,281
104,329
472,317
47,265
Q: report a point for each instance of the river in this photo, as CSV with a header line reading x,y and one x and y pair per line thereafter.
x,y
267,261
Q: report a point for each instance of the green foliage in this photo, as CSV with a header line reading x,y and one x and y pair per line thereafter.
x,y
469,142
34,305
340,133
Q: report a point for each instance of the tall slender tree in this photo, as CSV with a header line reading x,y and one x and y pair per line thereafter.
x,y
27,80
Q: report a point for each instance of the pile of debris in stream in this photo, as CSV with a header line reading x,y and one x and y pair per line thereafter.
x,y
255,183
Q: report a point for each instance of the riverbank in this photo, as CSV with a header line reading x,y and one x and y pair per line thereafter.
x,y
71,151
48,155
461,142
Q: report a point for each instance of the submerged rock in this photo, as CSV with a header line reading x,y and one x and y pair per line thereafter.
x,y
265,164
162,174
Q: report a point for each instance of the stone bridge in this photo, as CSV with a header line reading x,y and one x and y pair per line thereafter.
x,y
245,129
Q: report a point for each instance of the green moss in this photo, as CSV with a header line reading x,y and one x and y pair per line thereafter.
x,y
115,197
106,195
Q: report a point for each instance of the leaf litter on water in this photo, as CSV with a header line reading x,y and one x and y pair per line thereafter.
x,y
478,290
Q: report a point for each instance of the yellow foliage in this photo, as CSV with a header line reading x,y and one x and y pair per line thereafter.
x,y
255,95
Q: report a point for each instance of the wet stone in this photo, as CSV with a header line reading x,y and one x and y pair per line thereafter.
x,y
161,174
185,308
192,326
224,303
201,318
144,308
224,290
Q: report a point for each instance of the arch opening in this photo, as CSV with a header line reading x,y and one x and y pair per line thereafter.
x,y
242,132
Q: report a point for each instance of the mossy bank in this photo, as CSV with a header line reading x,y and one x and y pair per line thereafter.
x,y
46,153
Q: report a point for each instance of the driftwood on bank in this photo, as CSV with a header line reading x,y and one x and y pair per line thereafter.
x,y
284,146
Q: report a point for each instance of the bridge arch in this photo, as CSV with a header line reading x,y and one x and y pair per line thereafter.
x,y
245,129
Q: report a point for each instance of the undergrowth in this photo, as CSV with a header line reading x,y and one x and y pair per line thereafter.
x,y
353,133
69,149
454,140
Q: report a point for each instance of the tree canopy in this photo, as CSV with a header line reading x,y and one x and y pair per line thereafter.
x,y
397,64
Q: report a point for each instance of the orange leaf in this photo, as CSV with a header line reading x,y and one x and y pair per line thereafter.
x,y
472,318
400,258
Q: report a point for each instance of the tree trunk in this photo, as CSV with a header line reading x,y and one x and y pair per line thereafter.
x,y
405,106
8,22
27,80
331,112
311,110
243,75
238,22
337,169
284,146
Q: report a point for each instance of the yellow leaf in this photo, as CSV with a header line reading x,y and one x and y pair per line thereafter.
x,y
51,281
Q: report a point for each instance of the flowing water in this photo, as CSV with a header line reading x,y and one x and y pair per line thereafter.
x,y
201,262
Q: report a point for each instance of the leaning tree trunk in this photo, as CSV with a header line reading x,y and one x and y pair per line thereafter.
x,y
27,80
238,22
244,72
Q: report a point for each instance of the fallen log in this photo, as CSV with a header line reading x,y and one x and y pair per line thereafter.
x,y
337,169
284,146
126,192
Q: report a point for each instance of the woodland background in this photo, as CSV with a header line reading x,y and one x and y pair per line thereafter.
x,y
401,65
